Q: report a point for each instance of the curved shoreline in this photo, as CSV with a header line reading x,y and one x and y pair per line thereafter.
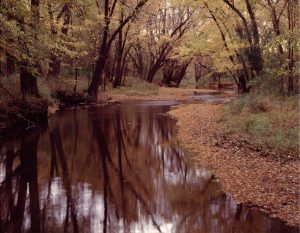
x,y
266,183
271,185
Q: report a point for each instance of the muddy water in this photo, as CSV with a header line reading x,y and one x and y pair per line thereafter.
x,y
114,169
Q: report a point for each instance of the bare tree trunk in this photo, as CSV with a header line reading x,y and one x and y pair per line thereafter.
x,y
276,27
28,82
10,64
55,61
28,79
182,71
168,72
152,71
255,55
106,43
290,48
275,22
174,71
137,60
120,50
240,79
118,78
76,78
124,65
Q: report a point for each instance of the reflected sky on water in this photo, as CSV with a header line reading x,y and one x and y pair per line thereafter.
x,y
114,169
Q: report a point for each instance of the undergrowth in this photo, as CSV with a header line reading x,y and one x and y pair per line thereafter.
x,y
24,113
136,86
268,120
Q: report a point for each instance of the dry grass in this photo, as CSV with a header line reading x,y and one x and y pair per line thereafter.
x,y
267,120
137,87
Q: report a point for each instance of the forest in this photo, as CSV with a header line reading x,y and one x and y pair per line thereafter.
x,y
251,43
109,100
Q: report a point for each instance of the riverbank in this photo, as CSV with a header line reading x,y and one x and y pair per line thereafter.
x,y
17,115
251,174
242,168
161,93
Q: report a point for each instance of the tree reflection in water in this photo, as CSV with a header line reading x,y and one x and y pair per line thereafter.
x,y
114,169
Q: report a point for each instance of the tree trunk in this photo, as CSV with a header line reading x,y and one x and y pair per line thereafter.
x,y
242,84
124,66
118,78
96,80
54,66
106,43
54,63
290,48
182,71
10,64
276,27
140,61
255,56
76,78
240,80
120,50
174,71
168,72
275,22
198,72
152,72
28,82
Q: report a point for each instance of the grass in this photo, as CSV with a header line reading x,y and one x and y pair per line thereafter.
x,y
135,86
267,120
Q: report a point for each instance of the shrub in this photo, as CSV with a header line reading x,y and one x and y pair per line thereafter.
x,y
268,120
252,103
71,98
29,111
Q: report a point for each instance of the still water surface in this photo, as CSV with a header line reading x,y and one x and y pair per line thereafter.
x,y
114,169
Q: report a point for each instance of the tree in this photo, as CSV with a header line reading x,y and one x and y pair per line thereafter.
x,y
164,32
174,71
28,72
55,61
107,41
255,55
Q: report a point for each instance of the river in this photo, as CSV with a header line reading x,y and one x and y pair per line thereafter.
x,y
115,168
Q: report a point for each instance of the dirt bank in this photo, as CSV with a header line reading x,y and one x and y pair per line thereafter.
x,y
243,171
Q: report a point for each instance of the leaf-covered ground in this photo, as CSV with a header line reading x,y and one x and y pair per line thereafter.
x,y
162,93
245,171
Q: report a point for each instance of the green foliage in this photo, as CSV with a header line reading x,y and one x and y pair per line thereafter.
x,y
252,103
135,86
189,80
210,31
267,120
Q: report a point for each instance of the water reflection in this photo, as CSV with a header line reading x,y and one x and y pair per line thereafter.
x,y
114,169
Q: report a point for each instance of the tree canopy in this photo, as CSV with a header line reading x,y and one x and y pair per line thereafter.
x,y
248,41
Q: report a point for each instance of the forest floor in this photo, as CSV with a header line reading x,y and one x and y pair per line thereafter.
x,y
161,93
250,173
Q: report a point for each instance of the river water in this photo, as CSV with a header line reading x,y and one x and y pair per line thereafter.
x,y
114,169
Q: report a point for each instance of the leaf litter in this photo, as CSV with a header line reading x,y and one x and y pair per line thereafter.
x,y
250,173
